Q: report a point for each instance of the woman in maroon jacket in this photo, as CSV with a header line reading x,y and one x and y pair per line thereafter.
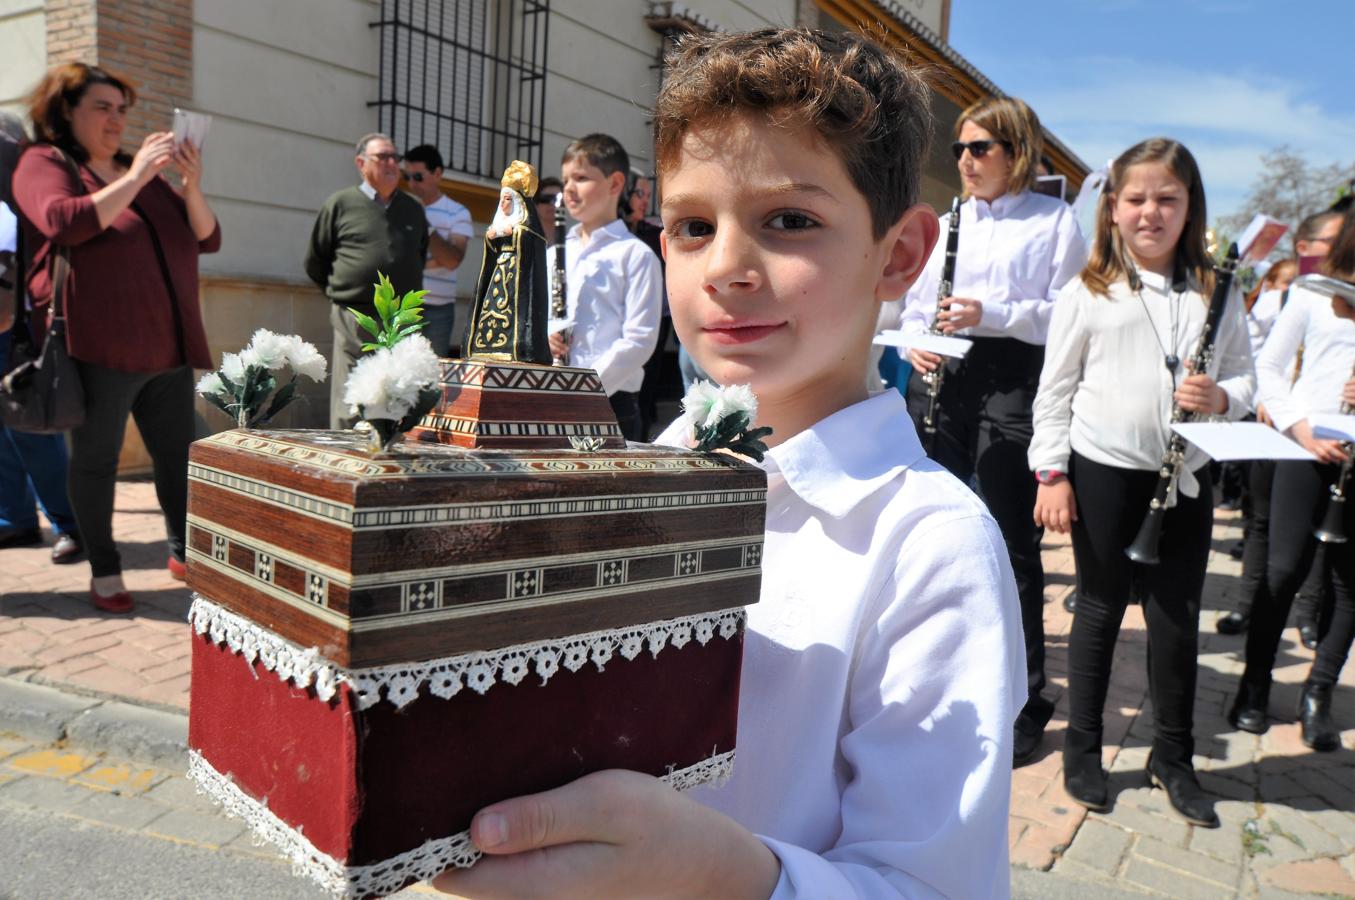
x,y
134,326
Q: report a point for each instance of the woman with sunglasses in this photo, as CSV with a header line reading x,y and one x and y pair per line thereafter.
x,y
1017,248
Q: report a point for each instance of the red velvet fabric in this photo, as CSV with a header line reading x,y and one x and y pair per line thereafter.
x,y
366,785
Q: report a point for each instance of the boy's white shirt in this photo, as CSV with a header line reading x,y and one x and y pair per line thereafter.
x,y
883,669
1105,391
1015,253
1328,354
614,287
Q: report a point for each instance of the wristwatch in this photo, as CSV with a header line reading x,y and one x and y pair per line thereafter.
x,y
1049,476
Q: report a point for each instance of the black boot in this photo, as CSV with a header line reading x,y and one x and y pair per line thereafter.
x,y
1029,729
1083,777
1184,792
1319,732
1249,709
1233,623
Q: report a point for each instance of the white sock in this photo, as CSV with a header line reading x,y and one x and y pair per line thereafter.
x,y
108,585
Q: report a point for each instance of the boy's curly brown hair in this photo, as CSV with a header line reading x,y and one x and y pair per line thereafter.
x,y
870,104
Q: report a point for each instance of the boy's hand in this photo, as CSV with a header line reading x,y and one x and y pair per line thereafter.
x,y
611,834
1055,506
558,345
959,312
924,361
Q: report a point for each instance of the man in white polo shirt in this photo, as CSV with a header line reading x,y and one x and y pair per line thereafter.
x,y
449,221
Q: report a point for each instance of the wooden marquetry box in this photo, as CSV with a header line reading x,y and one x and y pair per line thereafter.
x,y
384,643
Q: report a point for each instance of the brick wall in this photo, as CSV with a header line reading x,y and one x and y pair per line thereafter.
x,y
148,42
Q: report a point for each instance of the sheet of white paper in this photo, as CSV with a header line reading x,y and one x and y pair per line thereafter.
x,y
1227,441
932,343
1333,427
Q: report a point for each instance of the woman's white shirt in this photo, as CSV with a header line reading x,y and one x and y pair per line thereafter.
x,y
1105,390
1328,354
1014,255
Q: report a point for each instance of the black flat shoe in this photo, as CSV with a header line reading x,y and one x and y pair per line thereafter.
x,y
67,549
1235,551
1315,724
20,537
1308,635
1249,708
1233,623
1184,793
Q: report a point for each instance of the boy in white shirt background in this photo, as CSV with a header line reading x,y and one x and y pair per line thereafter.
x,y
613,281
883,664
449,230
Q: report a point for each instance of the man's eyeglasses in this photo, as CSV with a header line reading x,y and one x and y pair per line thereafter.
x,y
416,177
977,149
384,157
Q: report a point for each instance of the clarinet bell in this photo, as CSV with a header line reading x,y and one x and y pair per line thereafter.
x,y
1333,527
1146,542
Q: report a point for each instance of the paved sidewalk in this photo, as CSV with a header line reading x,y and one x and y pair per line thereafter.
x,y
1288,817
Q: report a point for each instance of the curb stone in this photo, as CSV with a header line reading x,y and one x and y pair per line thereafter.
x,y
49,715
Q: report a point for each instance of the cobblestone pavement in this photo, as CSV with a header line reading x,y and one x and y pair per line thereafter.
x,y
1288,813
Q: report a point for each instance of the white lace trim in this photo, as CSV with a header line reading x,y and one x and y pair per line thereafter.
x,y
446,677
387,876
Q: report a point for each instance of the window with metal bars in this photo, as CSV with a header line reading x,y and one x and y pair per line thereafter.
x,y
468,77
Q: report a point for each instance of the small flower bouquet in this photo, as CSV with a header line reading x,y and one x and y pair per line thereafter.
x,y
395,384
720,419
243,384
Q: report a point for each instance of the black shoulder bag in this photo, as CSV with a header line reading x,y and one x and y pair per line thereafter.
x,y
41,391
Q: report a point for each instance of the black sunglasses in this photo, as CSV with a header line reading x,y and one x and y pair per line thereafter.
x,y
547,199
416,177
977,149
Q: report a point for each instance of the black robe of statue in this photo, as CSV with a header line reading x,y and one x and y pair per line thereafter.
x,y
512,301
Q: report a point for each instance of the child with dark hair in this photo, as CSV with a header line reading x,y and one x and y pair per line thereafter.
x,y
614,283
883,664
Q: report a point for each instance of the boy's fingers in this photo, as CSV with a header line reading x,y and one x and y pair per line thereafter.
x,y
570,814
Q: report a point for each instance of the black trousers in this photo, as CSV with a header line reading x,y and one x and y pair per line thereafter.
x,y
162,405
1111,504
983,434
626,405
1298,504
1314,600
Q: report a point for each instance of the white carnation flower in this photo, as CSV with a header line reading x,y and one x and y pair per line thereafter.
x,y
305,359
269,350
740,398
386,384
699,402
211,384
233,367
250,359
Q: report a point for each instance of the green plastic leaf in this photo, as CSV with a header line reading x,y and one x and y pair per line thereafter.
x,y
367,323
413,300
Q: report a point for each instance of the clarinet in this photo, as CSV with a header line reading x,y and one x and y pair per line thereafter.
x,y
559,306
934,379
1333,527
1144,548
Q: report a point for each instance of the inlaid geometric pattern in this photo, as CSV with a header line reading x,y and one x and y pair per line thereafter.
x,y
524,583
306,503
482,428
418,596
689,563
348,456
752,555
505,376
612,572
263,567
220,548
317,588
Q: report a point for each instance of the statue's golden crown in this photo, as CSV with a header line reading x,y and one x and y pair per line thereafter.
x,y
521,177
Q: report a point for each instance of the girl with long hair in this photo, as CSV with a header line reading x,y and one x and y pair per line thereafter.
x,y
1114,368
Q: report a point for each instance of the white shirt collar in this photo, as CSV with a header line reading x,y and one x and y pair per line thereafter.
x,y
1001,207
840,461
613,230
370,193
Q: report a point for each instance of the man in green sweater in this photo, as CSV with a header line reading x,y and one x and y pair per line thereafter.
x,y
359,232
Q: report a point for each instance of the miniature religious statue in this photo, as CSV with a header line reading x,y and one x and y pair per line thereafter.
x,y
512,304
